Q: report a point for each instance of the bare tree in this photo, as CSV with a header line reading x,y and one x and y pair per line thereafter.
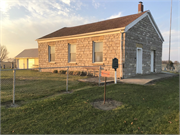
x,y
3,52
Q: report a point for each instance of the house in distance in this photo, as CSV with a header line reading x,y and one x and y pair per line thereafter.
x,y
27,59
134,40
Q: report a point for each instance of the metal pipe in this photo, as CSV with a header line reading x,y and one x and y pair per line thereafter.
x,y
54,67
122,53
67,80
104,90
99,75
14,85
170,34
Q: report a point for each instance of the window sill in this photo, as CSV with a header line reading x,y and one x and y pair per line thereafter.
x,y
72,63
52,62
98,63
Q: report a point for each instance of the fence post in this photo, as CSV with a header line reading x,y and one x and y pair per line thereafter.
x,y
39,69
67,80
12,66
14,85
99,75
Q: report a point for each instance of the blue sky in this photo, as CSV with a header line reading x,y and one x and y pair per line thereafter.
x,y
23,21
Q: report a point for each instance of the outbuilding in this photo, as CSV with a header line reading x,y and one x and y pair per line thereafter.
x,y
135,40
27,59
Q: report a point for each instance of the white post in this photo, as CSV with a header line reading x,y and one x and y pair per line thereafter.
x,y
67,80
115,78
14,84
99,75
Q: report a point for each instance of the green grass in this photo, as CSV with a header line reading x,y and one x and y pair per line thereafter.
x,y
175,72
153,109
33,84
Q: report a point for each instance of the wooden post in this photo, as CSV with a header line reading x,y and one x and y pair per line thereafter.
x,y
104,90
105,74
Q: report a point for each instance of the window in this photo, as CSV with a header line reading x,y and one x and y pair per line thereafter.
x,y
51,50
97,51
71,53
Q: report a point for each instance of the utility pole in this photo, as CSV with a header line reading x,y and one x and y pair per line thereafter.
x,y
170,35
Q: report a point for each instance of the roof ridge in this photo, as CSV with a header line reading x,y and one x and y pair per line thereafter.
x,y
95,26
30,48
105,20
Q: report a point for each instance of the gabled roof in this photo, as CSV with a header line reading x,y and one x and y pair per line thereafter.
x,y
121,22
31,53
149,15
97,26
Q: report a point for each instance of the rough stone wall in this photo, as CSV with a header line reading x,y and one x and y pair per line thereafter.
x,y
142,33
84,49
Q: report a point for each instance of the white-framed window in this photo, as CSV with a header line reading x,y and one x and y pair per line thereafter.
x,y
51,51
71,53
97,52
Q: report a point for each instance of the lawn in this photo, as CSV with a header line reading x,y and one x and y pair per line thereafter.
x,y
34,85
150,109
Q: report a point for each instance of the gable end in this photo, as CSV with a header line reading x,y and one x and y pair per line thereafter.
x,y
148,14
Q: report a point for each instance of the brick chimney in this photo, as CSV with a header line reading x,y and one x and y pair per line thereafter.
x,y
140,7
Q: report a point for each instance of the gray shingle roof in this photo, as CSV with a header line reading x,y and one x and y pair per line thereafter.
x,y
33,53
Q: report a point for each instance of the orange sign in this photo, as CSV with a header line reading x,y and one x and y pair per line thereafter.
x,y
105,73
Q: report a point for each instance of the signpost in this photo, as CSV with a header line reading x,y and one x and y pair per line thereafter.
x,y
105,74
115,66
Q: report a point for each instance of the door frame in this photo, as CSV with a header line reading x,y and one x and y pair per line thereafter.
x,y
152,60
137,59
27,63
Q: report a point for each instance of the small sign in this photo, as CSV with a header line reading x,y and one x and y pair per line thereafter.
x,y
139,45
105,73
115,63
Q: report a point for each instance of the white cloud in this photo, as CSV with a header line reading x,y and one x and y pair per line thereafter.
x,y
44,17
3,6
21,34
115,16
95,4
66,2
41,7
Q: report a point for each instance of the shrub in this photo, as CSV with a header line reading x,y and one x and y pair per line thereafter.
x,y
90,74
62,71
70,72
76,73
55,71
83,73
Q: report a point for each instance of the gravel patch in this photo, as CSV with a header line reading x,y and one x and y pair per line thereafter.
x,y
109,104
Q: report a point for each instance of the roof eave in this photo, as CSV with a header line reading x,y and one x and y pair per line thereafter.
x,y
81,35
24,57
